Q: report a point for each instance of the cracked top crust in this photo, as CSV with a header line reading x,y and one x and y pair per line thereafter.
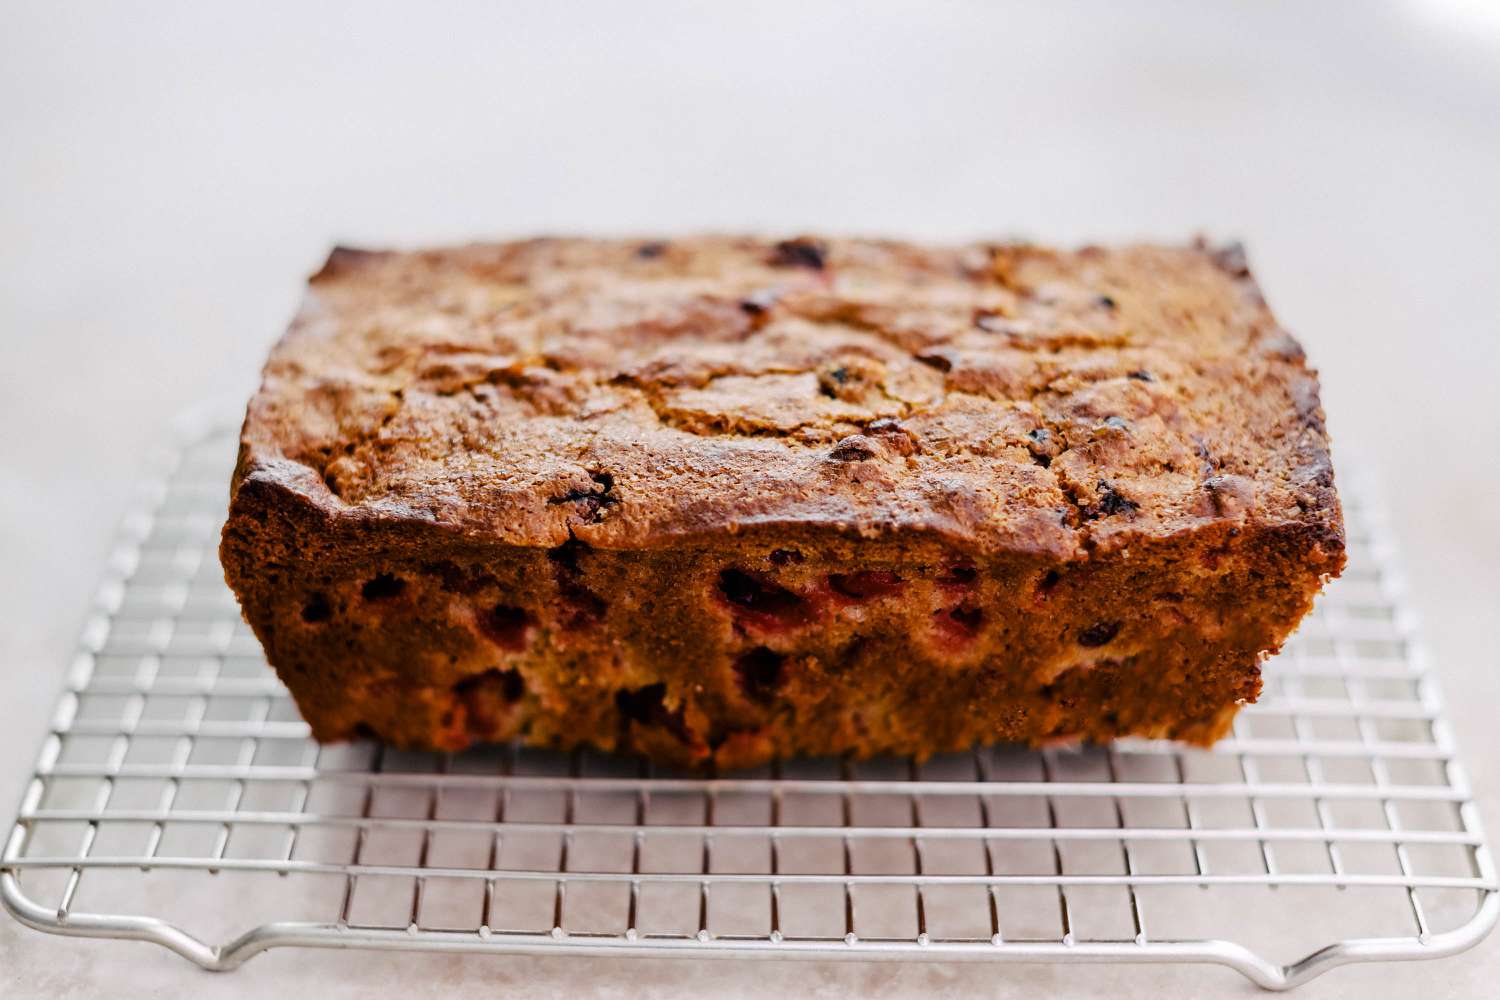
x,y
629,393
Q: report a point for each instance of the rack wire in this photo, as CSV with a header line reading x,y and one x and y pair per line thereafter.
x,y
178,799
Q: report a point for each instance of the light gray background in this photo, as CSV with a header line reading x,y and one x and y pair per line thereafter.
x,y
170,172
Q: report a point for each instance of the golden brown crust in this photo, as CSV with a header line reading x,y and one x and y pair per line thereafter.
x,y
1119,446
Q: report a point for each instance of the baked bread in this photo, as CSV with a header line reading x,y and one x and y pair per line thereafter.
x,y
720,499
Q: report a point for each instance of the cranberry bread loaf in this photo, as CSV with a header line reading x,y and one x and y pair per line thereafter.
x,y
720,499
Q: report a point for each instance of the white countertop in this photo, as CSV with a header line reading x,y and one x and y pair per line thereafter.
x,y
171,173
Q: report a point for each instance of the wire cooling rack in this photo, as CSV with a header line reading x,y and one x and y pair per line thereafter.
x,y
178,799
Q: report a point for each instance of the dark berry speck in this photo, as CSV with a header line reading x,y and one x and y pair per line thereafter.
x,y
1111,502
938,361
800,252
1098,634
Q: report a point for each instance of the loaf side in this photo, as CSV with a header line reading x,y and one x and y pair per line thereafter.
x,y
725,498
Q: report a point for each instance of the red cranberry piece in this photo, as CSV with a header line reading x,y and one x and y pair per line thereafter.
x,y
959,575
762,602
958,626
487,699
316,610
968,619
506,684
647,706
641,704
382,587
506,626
866,584
759,671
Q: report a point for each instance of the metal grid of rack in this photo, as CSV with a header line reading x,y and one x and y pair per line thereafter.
x,y
178,799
